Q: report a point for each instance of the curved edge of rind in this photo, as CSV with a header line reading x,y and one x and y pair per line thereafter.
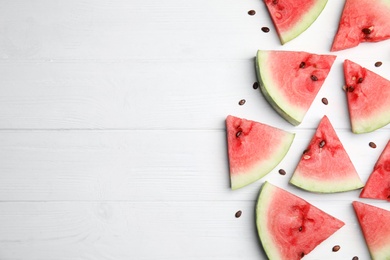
x,y
262,232
266,170
268,97
301,26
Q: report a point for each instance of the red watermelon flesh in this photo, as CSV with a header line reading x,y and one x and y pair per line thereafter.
x,y
254,149
290,80
290,227
325,166
375,224
291,17
368,96
378,184
362,21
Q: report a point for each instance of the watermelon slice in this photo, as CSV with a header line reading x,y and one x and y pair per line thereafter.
x,y
291,17
378,184
368,96
254,149
362,21
290,227
374,223
325,166
290,80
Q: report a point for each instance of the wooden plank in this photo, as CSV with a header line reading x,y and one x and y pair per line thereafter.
x,y
129,95
155,230
138,29
146,165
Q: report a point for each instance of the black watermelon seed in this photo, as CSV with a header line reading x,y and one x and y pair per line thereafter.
x,y
313,77
372,145
282,172
300,229
366,30
242,102
360,80
251,12
336,248
324,101
322,144
256,85
378,64
302,254
302,65
238,214
238,133
350,89
355,258
265,29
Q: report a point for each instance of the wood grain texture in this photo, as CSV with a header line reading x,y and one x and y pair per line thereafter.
x,y
163,230
112,135
145,165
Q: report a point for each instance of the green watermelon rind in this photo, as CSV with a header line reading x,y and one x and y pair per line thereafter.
x,y
322,186
294,116
263,204
306,21
259,170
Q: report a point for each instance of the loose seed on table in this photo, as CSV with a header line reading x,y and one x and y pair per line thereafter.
x,y
238,214
242,102
282,172
324,101
336,248
251,12
355,258
372,144
378,64
265,29
256,85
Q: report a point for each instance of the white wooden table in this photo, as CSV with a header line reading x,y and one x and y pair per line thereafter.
x,y
112,136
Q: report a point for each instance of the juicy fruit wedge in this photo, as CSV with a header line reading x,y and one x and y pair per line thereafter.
x,y
368,96
378,184
290,227
290,80
254,149
362,21
291,17
325,166
374,223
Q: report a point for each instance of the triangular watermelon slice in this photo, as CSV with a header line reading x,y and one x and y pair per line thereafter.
x,y
291,17
290,80
378,184
325,166
362,21
368,96
375,224
290,227
254,149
